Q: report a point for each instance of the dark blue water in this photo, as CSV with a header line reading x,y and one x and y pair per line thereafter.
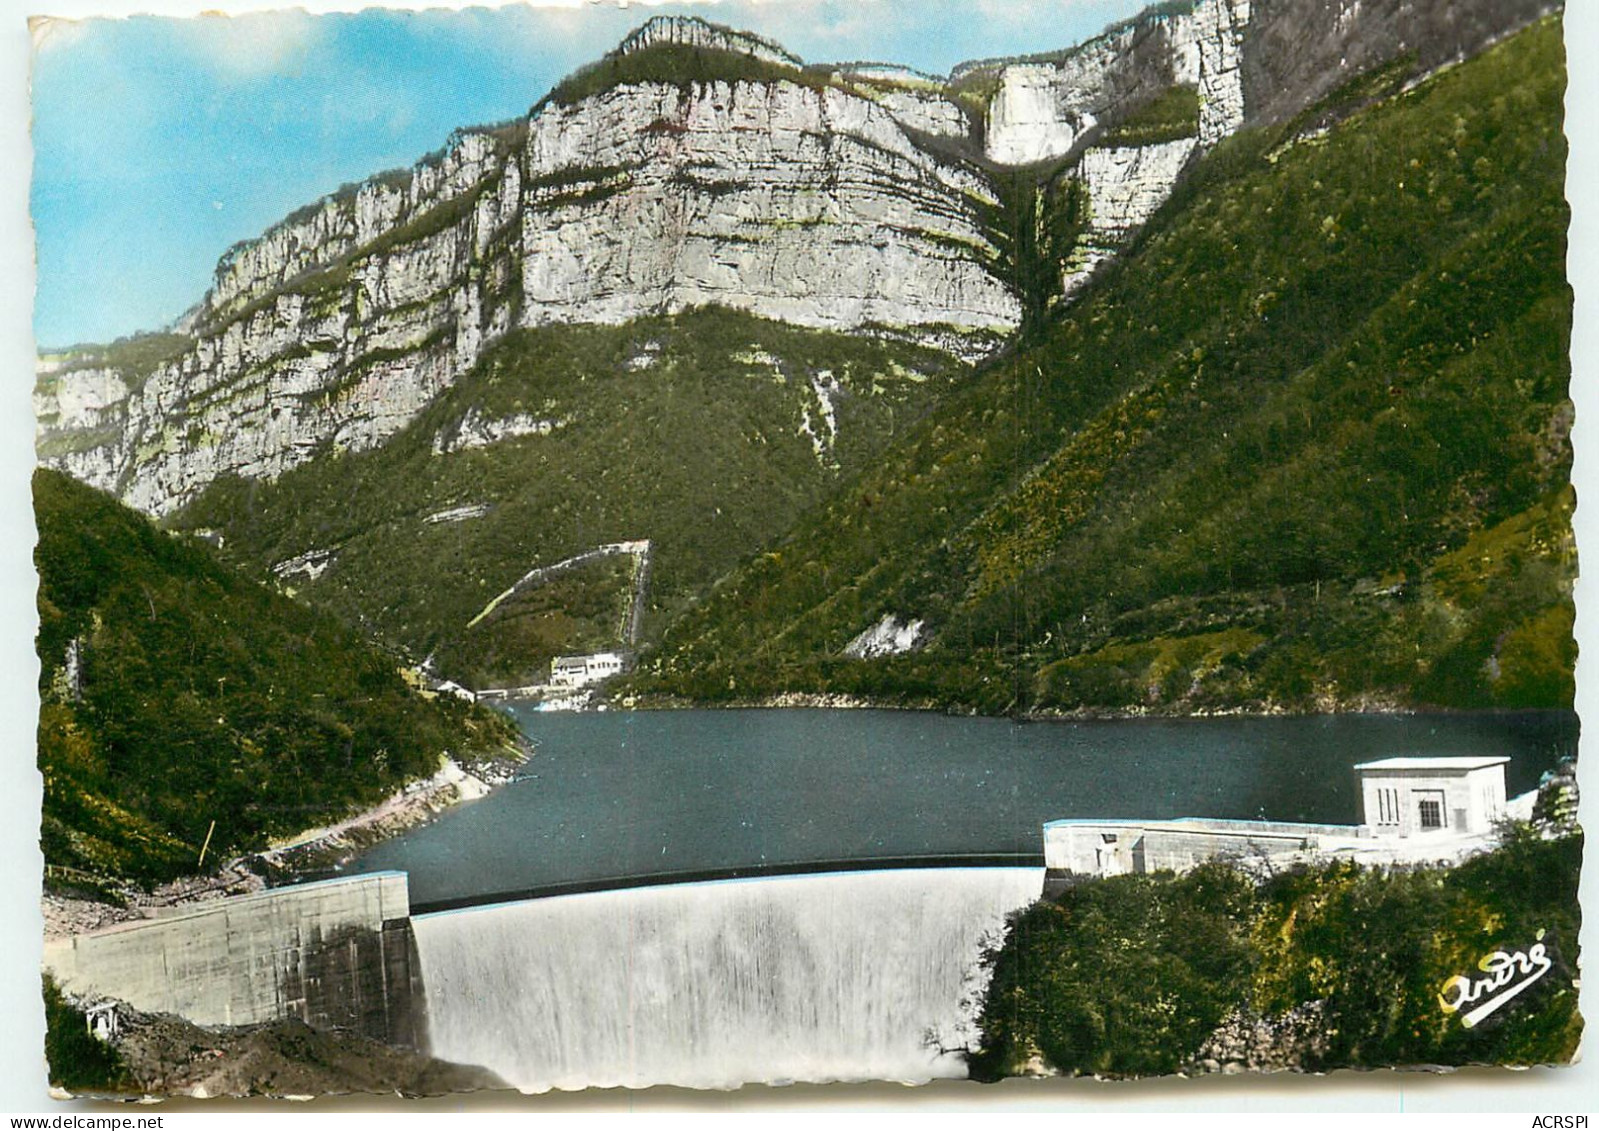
x,y
628,794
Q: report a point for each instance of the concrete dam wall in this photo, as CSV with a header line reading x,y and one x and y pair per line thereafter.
x,y
811,977
842,976
334,954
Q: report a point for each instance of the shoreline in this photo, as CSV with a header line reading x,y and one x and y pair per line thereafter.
x,y
321,847
840,701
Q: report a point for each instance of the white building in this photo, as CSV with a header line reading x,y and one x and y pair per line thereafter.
x,y
1115,848
1420,796
1414,809
579,671
104,1020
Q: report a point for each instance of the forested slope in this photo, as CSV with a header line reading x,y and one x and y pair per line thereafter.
x,y
176,693
1305,446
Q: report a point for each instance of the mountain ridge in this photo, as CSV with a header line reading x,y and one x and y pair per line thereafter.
x,y
674,183
838,203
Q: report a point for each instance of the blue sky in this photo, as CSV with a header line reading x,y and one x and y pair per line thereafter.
x,y
158,141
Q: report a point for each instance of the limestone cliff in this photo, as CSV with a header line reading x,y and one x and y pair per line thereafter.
x,y
810,205
1042,110
1105,110
791,198
692,166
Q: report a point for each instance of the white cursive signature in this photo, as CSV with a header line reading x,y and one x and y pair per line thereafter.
x,y
1499,986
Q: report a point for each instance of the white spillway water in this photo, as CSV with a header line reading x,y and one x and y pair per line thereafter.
x,y
838,976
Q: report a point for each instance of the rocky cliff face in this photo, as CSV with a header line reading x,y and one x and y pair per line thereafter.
x,y
1299,51
859,199
1123,186
803,201
803,204
1252,61
1041,111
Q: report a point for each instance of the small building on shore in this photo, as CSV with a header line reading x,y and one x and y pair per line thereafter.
x,y
1403,797
1413,809
580,671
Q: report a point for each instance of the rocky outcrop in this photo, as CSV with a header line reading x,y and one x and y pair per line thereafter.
x,y
475,431
1247,1042
686,31
916,101
331,332
1218,32
360,216
1043,110
854,199
168,1056
1248,61
1123,187
924,112
806,204
888,637
337,327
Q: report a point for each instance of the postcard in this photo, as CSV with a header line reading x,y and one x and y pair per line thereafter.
x,y
757,543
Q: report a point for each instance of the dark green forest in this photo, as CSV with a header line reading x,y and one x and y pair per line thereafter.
x,y
175,693
1130,975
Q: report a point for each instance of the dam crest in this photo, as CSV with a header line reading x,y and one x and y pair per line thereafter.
x,y
712,983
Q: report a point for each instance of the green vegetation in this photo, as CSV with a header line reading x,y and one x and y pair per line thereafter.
x,y
174,693
975,88
1304,447
579,611
677,65
1127,976
1170,116
1119,977
65,441
686,430
1035,226
134,358
78,1061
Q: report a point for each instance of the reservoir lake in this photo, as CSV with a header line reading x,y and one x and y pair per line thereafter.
x,y
630,796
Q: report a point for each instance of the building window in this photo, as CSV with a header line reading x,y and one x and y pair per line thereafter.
x,y
1432,814
1387,806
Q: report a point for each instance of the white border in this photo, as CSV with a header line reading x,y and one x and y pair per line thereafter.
x,y
22,1087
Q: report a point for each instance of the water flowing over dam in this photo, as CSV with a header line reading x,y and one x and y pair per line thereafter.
x,y
845,976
